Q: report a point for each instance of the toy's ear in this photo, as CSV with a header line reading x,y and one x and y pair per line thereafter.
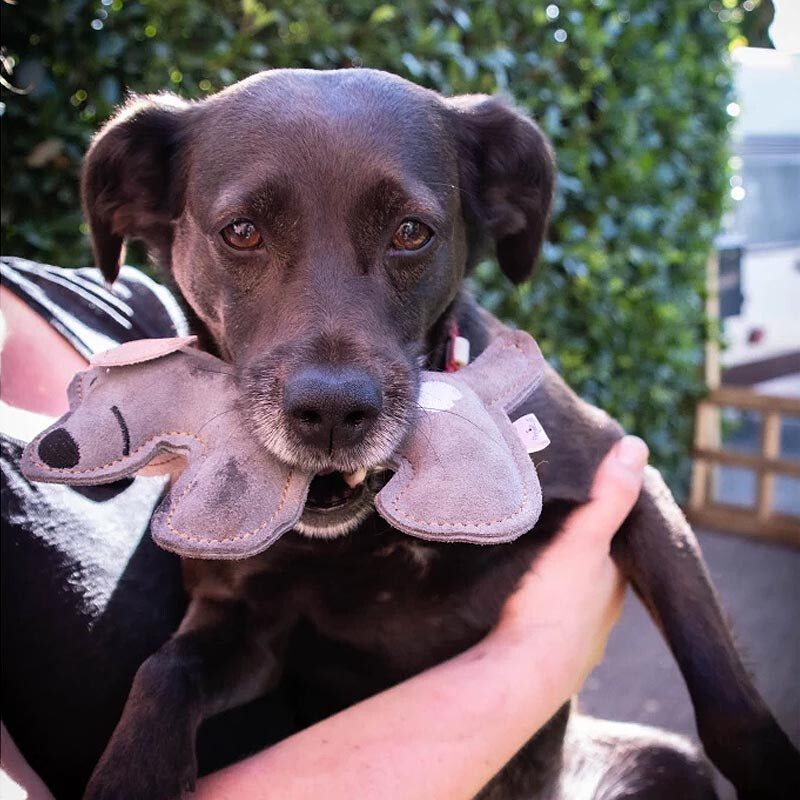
x,y
139,351
131,185
506,372
507,174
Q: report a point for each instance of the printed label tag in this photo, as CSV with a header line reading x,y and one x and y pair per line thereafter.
x,y
531,432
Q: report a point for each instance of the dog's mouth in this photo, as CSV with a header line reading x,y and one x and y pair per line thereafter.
x,y
333,490
337,501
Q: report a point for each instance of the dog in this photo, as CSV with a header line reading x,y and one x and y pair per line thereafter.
x,y
319,226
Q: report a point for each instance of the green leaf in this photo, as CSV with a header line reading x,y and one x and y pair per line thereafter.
x,y
381,14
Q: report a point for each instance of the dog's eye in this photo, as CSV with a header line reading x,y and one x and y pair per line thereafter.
x,y
242,234
411,235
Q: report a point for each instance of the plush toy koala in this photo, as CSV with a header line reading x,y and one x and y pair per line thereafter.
x,y
463,474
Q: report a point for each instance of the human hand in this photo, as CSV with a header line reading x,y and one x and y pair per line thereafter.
x,y
570,599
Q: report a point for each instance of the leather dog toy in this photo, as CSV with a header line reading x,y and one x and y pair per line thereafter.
x,y
157,406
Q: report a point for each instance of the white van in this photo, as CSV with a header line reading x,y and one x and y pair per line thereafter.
x,y
763,339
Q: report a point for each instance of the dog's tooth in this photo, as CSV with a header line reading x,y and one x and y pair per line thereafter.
x,y
352,479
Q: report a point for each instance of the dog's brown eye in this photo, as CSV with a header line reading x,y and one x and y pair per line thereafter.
x,y
411,235
242,234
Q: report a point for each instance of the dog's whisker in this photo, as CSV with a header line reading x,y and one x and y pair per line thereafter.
x,y
211,371
460,416
215,417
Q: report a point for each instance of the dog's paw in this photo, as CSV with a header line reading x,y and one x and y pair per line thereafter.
x,y
145,769
772,767
110,782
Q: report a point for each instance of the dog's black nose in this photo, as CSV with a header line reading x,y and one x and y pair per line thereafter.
x,y
332,407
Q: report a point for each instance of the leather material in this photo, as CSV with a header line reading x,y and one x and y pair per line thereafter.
x,y
162,407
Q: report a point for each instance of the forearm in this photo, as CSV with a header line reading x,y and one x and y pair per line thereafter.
x,y
17,779
441,734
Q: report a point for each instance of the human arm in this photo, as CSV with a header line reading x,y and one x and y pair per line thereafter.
x,y
37,362
17,780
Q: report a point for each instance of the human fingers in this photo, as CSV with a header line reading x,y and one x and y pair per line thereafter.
x,y
577,561
615,488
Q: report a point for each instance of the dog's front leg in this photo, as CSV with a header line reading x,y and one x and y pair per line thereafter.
x,y
659,554
658,551
215,661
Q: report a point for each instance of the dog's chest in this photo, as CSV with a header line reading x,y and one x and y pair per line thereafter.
x,y
405,602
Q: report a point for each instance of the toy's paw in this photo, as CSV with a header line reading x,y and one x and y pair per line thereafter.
x,y
145,767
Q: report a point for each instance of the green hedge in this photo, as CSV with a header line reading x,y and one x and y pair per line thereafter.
x,y
633,95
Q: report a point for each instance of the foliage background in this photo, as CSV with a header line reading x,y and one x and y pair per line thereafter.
x,y
633,95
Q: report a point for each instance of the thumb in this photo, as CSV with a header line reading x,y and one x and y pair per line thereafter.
x,y
615,488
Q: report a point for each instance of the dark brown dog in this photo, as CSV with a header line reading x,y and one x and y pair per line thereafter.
x,y
319,226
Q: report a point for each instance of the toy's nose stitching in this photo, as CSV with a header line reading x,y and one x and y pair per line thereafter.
x,y
59,450
126,437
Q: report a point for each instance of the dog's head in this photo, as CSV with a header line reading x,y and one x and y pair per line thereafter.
x,y
319,225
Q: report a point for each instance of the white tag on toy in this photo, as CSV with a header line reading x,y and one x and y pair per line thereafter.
x,y
531,432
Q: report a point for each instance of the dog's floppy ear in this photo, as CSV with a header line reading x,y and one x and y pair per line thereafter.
x,y
507,174
130,185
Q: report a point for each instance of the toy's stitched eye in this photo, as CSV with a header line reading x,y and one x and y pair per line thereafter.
x,y
242,234
411,234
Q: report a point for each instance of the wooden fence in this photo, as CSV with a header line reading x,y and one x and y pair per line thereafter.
x,y
762,520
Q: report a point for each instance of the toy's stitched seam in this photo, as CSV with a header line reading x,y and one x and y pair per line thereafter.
x,y
240,537
156,463
141,447
461,525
